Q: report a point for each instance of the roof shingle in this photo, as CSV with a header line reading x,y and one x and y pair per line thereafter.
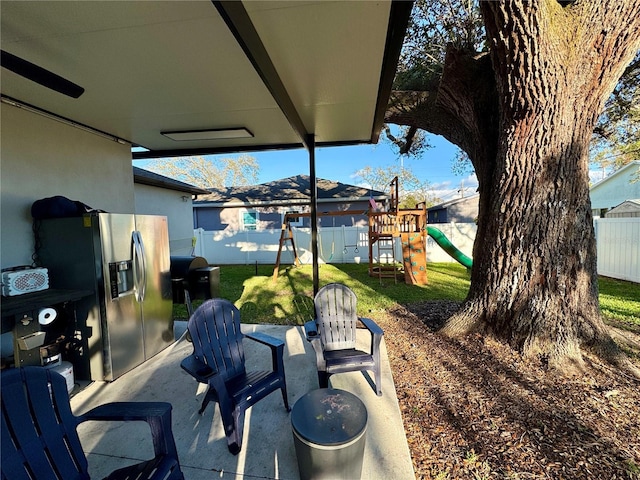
x,y
286,189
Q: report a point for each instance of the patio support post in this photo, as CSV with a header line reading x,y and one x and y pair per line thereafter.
x,y
313,187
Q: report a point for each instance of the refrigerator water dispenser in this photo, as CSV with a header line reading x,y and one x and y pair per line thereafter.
x,y
120,278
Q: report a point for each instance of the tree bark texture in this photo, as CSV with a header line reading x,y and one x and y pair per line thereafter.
x,y
525,119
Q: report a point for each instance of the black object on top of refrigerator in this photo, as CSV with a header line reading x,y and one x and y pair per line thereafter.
x,y
124,260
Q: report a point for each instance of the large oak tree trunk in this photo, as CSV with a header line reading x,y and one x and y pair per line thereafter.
x,y
534,277
534,280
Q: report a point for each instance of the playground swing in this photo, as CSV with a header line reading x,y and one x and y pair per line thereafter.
x,y
344,241
333,239
333,242
320,248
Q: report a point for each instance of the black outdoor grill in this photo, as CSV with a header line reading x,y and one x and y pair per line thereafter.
x,y
195,276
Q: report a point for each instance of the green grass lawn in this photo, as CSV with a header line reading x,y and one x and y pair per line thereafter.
x,y
620,301
287,301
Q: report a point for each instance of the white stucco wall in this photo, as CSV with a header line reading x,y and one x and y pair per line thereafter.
x,y
172,204
41,158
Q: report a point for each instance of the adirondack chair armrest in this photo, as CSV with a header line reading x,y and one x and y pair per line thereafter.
x,y
276,345
371,326
311,330
197,368
265,339
313,336
156,414
376,337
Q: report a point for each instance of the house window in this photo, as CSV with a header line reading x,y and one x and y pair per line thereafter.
x,y
293,221
249,219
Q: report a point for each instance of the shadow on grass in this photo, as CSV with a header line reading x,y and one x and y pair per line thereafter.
x,y
287,300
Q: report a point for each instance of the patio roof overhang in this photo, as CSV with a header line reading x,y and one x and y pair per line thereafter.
x,y
291,73
283,70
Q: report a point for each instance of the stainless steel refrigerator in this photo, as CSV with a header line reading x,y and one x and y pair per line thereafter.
x,y
124,261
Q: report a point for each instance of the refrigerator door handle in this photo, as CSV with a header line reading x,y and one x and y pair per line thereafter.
x,y
143,258
137,267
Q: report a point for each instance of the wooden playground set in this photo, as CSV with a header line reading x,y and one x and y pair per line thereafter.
x,y
409,225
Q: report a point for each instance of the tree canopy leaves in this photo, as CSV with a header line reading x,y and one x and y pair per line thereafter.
x,y
434,27
412,190
440,26
210,172
616,139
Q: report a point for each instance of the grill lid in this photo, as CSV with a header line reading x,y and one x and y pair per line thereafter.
x,y
182,266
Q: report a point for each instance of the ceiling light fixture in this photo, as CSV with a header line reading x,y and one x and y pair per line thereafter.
x,y
216,134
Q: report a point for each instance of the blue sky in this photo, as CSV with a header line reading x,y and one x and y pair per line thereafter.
x,y
341,164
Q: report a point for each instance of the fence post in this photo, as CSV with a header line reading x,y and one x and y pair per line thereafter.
x,y
198,250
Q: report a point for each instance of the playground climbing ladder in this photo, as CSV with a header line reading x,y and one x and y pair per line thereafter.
x,y
414,258
385,227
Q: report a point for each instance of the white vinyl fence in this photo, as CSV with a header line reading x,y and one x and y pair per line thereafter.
x,y
618,241
335,245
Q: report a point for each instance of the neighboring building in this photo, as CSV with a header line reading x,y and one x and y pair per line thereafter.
x,y
630,208
156,194
611,191
263,206
460,210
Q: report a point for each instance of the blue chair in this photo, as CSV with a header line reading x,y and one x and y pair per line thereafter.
x,y
218,361
333,335
39,437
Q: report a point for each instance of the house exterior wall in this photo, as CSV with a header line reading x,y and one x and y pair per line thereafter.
x,y
343,220
207,218
437,215
212,218
42,158
625,210
176,206
615,189
230,218
462,211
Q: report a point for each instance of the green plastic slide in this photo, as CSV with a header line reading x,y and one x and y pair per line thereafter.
x,y
448,247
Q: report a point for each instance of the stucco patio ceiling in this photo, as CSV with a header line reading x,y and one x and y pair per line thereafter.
x,y
287,71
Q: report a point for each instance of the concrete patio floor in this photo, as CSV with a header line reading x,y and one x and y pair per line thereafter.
x,y
268,450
